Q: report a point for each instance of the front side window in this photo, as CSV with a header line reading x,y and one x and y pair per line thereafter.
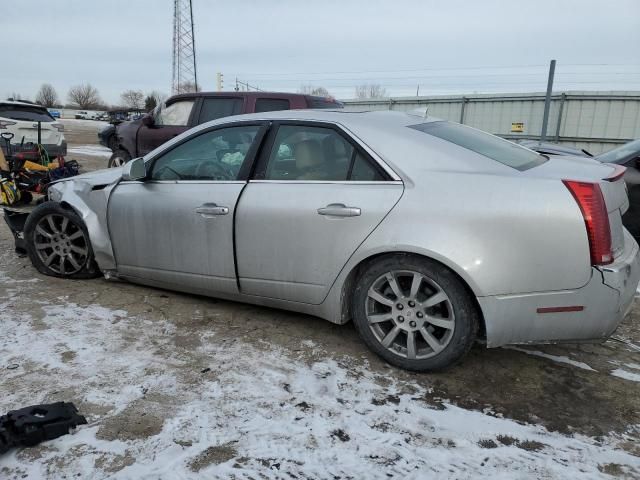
x,y
214,108
214,155
177,114
316,153
495,148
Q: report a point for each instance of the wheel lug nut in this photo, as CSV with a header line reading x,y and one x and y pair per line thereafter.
x,y
399,306
412,304
412,324
401,319
419,314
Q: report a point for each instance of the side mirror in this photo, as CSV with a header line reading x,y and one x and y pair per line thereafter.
x,y
148,120
134,170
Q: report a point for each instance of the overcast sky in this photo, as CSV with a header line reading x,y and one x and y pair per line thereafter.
x,y
443,46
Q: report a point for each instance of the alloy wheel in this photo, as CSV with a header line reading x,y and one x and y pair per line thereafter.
x,y
118,162
60,244
410,314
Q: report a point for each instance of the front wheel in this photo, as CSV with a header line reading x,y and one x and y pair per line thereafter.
x,y
58,243
414,313
119,158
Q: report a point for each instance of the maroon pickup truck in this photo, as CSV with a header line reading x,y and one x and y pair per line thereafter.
x,y
182,112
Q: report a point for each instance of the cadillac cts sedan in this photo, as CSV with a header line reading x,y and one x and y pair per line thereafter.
x,y
426,233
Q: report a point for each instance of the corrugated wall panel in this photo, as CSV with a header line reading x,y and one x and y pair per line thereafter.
x,y
596,121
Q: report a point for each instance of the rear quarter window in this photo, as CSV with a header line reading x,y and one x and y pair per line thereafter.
x,y
491,146
323,102
272,104
25,113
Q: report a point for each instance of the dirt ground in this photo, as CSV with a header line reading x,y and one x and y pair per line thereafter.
x,y
141,362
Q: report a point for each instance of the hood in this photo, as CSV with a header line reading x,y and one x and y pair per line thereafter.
x,y
106,176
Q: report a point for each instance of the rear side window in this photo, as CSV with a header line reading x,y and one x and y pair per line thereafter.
x,y
495,148
272,104
323,102
214,108
26,113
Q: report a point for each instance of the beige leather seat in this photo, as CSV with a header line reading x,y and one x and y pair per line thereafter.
x,y
310,160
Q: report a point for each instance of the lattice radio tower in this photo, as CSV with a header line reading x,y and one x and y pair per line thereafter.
x,y
185,78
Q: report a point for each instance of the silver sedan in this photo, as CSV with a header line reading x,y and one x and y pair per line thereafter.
x,y
427,234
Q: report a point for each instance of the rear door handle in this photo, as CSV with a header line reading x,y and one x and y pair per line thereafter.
x,y
339,210
211,210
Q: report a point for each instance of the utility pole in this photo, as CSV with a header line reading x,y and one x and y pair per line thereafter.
x,y
219,80
185,75
547,101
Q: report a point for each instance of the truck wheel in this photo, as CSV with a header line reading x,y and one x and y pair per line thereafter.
x,y
58,243
119,158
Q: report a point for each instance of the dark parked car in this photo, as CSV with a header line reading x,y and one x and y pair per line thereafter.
x,y
182,112
627,155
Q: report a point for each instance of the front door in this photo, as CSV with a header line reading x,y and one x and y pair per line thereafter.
x,y
315,198
169,121
176,228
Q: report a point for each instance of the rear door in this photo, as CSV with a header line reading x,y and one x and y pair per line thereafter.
x,y
316,195
170,121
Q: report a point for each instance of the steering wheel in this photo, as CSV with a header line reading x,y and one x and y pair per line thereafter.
x,y
213,171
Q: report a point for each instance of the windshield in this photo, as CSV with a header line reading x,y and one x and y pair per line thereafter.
x,y
621,154
491,146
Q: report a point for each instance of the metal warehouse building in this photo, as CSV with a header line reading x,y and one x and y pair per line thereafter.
x,y
595,121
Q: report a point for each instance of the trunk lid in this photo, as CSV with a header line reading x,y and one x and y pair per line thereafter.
x,y
29,131
606,175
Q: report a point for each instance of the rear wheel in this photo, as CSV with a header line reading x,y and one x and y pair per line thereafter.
x,y
119,158
58,243
414,313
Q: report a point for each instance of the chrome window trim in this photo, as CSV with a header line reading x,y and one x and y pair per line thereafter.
x,y
189,182
341,182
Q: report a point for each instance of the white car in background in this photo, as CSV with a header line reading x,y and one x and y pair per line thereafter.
x,y
85,115
22,119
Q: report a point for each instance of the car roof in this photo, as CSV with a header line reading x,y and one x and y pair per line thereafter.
x,y
172,98
21,104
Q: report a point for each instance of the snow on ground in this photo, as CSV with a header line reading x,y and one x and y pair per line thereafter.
x,y
76,122
90,150
234,409
555,358
621,373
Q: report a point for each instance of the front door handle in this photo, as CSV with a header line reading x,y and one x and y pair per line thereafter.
x,y
339,210
211,210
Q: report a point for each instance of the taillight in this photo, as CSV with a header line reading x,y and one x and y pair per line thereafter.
x,y
6,123
58,126
596,219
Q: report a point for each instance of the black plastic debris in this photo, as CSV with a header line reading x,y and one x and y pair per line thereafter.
x,y
31,425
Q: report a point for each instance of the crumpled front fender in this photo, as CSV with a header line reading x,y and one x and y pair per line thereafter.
x,y
90,202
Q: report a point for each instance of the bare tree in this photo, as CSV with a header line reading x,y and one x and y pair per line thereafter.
x,y
47,96
372,90
314,90
15,96
133,99
84,96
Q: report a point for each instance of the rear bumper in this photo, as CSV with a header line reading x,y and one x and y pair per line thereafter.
x,y
606,298
28,150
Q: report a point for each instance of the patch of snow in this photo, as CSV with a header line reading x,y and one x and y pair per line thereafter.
x,y
621,373
278,416
90,150
555,358
83,122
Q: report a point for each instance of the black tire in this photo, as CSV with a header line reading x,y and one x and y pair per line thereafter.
x,y
410,319
65,238
119,158
112,143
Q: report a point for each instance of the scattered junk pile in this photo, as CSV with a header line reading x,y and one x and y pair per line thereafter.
x,y
26,169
